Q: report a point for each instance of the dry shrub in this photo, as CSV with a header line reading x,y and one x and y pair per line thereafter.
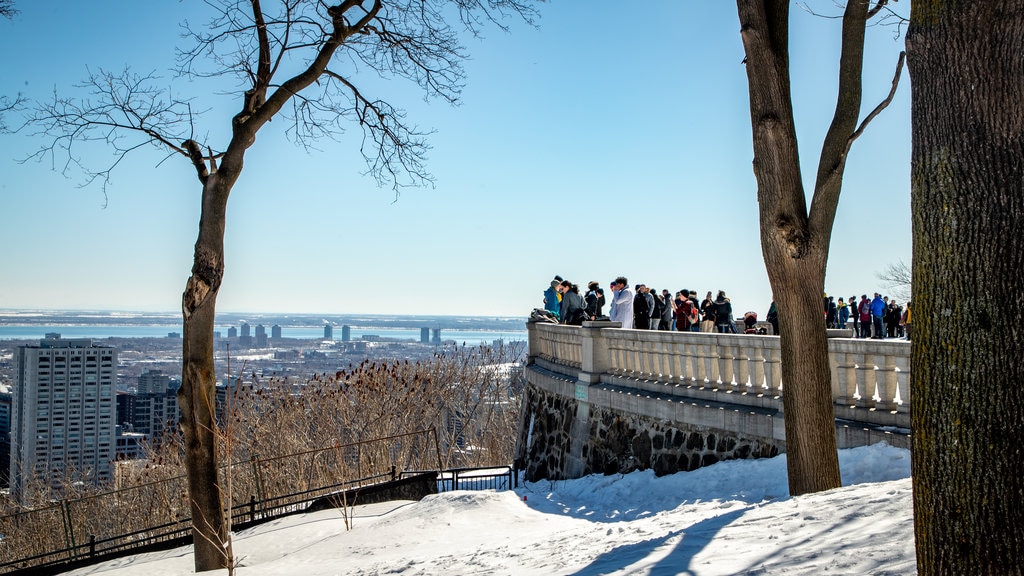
x,y
316,438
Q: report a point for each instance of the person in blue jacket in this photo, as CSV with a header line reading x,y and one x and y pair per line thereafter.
x,y
877,313
552,299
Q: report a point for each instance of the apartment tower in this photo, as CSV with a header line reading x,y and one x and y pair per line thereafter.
x,y
62,413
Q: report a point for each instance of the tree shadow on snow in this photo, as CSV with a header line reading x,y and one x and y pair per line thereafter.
x,y
688,543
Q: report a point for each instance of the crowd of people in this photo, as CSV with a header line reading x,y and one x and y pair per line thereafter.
x,y
645,308
878,317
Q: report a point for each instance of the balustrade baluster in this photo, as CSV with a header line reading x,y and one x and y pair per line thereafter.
x,y
757,365
865,380
660,370
886,377
632,364
903,383
725,356
688,374
743,368
773,372
678,361
846,373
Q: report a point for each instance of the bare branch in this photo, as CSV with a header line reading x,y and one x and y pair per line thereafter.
x,y
898,279
881,105
7,9
124,112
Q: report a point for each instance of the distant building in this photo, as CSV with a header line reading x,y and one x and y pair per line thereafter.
x,y
62,413
232,332
328,332
275,331
174,335
245,339
130,445
5,435
425,335
261,336
346,333
153,409
153,382
437,336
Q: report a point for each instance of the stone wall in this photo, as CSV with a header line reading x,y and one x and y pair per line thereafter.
x,y
561,437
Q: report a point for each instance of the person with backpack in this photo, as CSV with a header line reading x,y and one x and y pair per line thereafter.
x,y
864,309
686,312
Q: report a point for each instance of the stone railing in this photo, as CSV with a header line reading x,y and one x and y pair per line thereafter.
x,y
869,378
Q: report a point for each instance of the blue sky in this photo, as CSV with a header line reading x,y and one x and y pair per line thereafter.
x,y
603,142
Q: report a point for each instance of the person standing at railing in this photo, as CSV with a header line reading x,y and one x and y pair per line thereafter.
x,y
865,316
622,303
552,299
877,314
573,310
844,313
855,316
773,317
723,314
707,314
906,320
594,300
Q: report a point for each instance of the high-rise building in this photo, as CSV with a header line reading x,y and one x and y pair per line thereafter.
x,y
62,413
5,435
328,332
245,338
261,336
425,335
232,332
153,382
346,333
275,331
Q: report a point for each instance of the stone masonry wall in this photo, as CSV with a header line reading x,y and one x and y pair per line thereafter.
x,y
618,443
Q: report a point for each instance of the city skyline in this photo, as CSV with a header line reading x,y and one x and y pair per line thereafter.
x,y
574,152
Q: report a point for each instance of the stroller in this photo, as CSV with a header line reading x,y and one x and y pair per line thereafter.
x,y
750,323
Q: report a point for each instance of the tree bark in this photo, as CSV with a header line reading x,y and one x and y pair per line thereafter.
x,y
795,240
196,397
967,186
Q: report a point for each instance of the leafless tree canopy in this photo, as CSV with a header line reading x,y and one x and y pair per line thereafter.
x,y
7,8
897,279
265,53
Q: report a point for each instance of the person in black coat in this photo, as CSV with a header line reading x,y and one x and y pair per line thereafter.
x,y
723,314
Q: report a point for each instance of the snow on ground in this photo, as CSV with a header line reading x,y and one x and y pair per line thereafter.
x,y
733,517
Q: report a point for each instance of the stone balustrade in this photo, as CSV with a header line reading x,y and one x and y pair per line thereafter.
x,y
869,378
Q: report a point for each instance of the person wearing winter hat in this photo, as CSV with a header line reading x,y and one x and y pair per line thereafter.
x,y
552,298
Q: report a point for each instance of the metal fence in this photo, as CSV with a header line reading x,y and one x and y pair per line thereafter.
x,y
157,514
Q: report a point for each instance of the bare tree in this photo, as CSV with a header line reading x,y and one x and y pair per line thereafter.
x,y
298,61
897,279
795,240
7,104
967,205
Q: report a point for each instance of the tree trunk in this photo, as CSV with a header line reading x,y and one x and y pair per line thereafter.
x,y
812,460
967,185
795,245
199,378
